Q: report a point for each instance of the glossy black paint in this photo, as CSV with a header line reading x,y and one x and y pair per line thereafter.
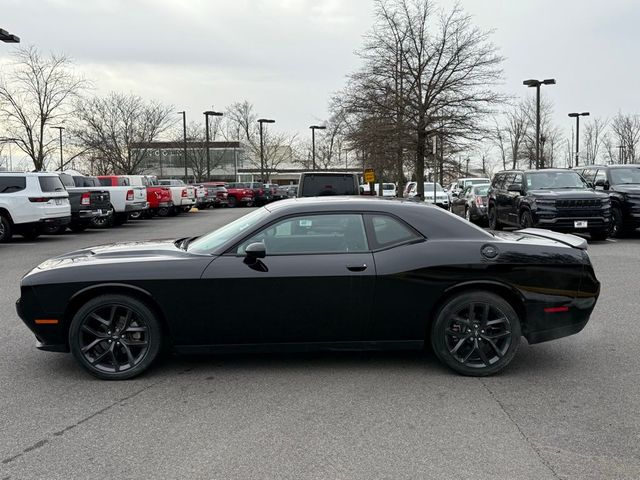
x,y
384,298
555,209
472,205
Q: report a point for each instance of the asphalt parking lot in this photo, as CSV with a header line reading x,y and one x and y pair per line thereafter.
x,y
568,409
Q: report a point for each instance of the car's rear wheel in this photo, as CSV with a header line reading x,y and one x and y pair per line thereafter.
x,y
6,231
476,333
494,224
103,221
120,218
232,202
115,337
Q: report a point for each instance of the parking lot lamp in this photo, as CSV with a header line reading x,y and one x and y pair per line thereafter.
x,y
207,114
60,129
537,84
261,121
313,143
577,116
7,37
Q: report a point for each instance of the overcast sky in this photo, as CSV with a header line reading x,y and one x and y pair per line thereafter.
x,y
288,56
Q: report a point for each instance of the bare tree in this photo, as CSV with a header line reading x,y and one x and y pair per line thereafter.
x,y
593,138
110,126
626,131
36,93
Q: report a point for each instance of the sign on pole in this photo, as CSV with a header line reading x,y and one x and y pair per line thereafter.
x,y
369,175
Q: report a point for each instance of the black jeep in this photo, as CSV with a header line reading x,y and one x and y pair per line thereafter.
x,y
622,184
555,199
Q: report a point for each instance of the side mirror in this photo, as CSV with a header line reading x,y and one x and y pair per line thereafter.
x,y
515,187
601,183
253,252
454,194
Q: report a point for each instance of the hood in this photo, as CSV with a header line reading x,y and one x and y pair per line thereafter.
x,y
567,194
631,188
115,253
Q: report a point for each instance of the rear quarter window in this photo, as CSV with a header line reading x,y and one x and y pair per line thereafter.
x,y
51,184
12,184
389,231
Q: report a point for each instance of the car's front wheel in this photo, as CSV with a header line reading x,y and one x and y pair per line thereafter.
x,y
115,337
476,333
5,229
526,220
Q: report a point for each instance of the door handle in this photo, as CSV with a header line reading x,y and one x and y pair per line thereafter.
x,y
357,268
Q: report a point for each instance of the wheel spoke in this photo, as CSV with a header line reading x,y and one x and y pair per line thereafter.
x,y
485,314
472,313
483,357
116,365
93,332
459,344
129,354
496,336
493,345
468,355
127,320
102,355
133,343
112,315
497,321
136,329
97,317
86,348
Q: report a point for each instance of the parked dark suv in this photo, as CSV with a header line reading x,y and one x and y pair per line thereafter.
x,y
318,184
622,184
555,199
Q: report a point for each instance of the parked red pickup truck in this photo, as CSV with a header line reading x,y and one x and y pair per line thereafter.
x,y
158,197
236,196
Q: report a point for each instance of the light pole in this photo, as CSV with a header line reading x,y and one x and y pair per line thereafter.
x,y
536,84
184,146
577,116
60,129
207,114
261,121
9,141
313,143
7,37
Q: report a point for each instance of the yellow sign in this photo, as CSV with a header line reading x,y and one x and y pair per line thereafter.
x,y
369,175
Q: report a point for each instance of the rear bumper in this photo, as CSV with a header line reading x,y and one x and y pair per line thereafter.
x,y
134,207
55,221
86,214
187,202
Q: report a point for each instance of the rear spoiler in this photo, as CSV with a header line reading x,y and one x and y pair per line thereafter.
x,y
566,238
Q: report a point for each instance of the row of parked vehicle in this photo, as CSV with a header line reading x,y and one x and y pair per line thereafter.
x,y
50,202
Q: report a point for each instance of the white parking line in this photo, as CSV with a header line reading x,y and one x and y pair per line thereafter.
x,y
612,240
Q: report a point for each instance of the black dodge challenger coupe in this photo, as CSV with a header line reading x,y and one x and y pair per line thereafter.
x,y
345,274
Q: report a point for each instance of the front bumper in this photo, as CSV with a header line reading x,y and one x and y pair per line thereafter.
x,y
50,338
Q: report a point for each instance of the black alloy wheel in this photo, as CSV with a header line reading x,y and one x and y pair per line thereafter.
x,y
5,229
476,333
232,202
103,221
526,220
115,337
164,211
494,224
617,225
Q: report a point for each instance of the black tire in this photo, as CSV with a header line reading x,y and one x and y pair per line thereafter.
x,y
120,219
164,211
526,220
6,229
115,337
249,204
105,221
30,233
617,225
186,209
494,224
599,235
233,202
78,227
53,229
476,333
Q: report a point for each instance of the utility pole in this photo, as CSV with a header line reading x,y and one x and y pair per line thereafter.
x,y
207,114
60,129
577,116
261,121
184,146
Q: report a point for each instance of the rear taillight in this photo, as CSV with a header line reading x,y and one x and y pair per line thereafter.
x,y
130,195
479,201
39,199
184,192
85,199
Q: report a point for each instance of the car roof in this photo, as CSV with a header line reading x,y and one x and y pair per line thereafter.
x,y
543,170
31,174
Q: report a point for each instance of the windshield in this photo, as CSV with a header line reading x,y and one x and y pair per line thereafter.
x,y
428,187
625,175
220,236
476,181
555,180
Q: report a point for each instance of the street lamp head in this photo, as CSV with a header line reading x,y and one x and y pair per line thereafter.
x,y
59,128
531,83
7,37
266,120
213,114
573,115
549,81
585,114
318,127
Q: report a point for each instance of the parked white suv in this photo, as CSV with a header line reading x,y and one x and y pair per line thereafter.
x,y
29,201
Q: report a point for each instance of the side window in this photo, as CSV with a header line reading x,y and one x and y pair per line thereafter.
x,y
498,181
588,174
517,178
123,182
601,175
389,231
508,180
12,184
330,233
